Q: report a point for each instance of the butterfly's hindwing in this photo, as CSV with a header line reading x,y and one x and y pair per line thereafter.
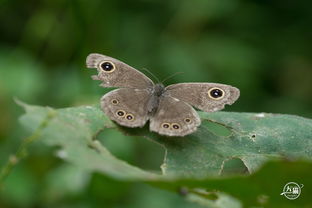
x,y
128,107
174,118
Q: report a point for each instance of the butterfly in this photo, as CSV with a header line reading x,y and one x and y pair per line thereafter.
x,y
168,109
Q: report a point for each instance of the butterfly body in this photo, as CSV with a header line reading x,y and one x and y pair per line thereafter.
x,y
157,93
169,109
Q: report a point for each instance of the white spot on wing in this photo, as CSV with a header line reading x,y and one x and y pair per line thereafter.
x,y
161,112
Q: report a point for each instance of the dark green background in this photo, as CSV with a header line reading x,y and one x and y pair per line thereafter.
x,y
262,47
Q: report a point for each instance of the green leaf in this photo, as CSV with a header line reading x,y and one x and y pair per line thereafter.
x,y
226,136
226,143
74,130
254,138
251,138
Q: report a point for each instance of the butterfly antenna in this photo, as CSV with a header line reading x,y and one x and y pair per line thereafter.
x,y
166,79
145,69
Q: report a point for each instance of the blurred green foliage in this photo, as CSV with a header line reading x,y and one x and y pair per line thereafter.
x,y
261,47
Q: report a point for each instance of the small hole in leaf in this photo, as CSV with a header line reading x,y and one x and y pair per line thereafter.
x,y
234,166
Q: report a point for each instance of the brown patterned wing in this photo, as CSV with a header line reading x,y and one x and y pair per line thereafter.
x,y
174,118
128,107
114,73
208,97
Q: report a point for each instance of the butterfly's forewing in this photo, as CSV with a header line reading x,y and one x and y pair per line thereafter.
x,y
174,118
128,107
208,97
114,73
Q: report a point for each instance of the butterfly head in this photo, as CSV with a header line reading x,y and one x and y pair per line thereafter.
x,y
159,89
